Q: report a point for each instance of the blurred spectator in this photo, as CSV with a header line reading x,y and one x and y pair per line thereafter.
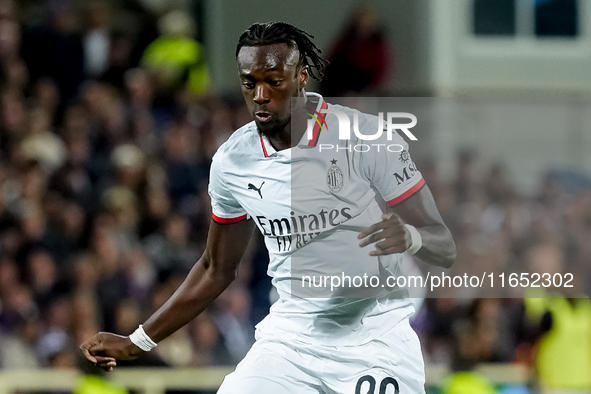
x,y
139,273
67,230
13,123
359,61
43,276
97,39
156,212
130,166
94,384
232,320
17,351
46,97
128,317
563,352
170,251
175,58
18,306
482,337
563,358
42,145
15,76
176,350
55,344
119,60
185,174
208,345
55,50
112,285
467,383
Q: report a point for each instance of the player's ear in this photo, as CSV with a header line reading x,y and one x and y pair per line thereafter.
x,y
304,76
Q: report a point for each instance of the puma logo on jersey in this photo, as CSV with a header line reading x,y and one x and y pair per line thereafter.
x,y
258,189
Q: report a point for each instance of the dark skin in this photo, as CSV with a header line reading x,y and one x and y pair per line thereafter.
x,y
270,77
420,211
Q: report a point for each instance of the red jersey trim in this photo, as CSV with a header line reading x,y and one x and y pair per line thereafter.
x,y
317,127
407,193
315,130
228,220
263,145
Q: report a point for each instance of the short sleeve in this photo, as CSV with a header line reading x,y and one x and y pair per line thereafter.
x,y
224,207
391,171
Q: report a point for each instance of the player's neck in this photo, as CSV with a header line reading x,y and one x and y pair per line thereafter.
x,y
285,139
293,131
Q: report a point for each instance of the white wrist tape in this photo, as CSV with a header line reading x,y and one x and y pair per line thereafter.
x,y
140,339
415,237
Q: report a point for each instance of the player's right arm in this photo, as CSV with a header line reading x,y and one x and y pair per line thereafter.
x,y
211,275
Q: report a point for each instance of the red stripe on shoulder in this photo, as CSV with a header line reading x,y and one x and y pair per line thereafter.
x,y
407,193
228,220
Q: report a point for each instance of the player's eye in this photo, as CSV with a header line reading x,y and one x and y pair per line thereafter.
x,y
275,83
248,85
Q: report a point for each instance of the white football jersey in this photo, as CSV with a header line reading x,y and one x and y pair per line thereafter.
x,y
310,202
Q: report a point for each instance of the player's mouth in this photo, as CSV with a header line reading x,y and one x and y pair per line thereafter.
x,y
263,117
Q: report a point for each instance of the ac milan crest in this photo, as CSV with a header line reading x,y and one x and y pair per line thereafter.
x,y
334,177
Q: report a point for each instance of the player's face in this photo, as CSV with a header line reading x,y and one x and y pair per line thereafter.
x,y
270,76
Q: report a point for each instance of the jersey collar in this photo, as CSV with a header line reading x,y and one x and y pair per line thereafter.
x,y
268,149
314,99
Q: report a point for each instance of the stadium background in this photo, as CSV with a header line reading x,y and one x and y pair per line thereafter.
x,y
110,112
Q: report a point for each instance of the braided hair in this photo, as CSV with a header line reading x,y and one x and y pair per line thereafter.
x,y
260,34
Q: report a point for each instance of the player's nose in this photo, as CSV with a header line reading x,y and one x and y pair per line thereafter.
x,y
261,95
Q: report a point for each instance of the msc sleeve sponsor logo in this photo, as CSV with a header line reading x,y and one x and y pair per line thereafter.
x,y
406,173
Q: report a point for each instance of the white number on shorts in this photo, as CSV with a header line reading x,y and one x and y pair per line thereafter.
x,y
372,385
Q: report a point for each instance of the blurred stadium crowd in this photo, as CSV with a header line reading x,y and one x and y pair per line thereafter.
x,y
105,145
104,170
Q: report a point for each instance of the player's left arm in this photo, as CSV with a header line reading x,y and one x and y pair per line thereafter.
x,y
391,236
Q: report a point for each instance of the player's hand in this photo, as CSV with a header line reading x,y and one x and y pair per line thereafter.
x,y
105,348
390,234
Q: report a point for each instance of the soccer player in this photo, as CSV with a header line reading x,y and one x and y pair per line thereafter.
x,y
305,344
